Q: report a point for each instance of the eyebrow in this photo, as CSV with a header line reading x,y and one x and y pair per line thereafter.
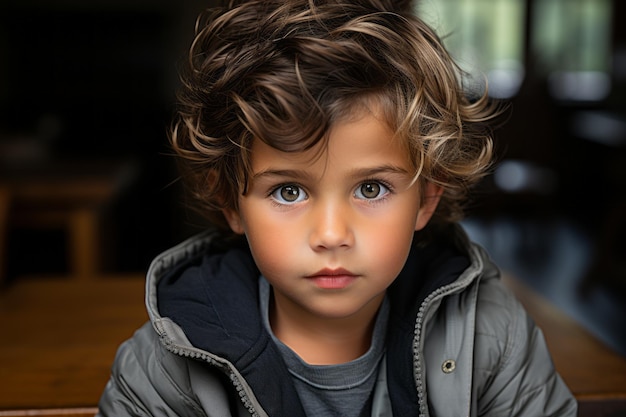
x,y
373,171
356,173
285,173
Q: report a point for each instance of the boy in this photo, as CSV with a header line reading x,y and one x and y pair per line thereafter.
x,y
333,141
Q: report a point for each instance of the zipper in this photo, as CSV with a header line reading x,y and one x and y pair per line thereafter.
x,y
204,356
165,260
417,357
419,322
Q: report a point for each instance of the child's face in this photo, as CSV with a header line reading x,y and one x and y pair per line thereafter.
x,y
332,233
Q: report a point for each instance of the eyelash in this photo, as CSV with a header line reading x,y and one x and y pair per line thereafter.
x,y
378,200
381,199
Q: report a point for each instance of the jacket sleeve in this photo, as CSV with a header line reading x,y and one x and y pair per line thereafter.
x,y
141,383
514,365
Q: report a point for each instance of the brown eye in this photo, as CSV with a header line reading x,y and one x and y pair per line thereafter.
x,y
288,194
370,190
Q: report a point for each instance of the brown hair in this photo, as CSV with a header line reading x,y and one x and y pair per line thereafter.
x,y
285,71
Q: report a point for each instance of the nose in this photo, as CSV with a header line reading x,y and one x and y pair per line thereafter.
x,y
332,227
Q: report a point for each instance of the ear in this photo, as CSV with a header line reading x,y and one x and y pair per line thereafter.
x,y
234,220
432,195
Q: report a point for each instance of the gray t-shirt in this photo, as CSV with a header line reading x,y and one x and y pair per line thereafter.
x,y
333,390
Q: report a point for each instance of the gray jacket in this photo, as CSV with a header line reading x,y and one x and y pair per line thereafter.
x,y
466,348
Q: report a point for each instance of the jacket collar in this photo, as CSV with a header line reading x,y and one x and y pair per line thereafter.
x,y
211,293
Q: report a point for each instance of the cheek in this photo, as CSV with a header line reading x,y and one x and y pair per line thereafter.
x,y
391,247
389,238
269,244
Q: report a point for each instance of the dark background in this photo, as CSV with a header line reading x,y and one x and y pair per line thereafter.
x,y
84,83
90,83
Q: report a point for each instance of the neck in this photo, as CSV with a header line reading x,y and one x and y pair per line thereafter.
x,y
322,340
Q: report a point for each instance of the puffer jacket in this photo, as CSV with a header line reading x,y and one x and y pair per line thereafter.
x,y
459,344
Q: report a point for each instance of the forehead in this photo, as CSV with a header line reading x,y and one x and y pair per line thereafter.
x,y
358,141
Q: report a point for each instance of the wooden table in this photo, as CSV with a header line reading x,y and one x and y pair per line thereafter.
x,y
59,338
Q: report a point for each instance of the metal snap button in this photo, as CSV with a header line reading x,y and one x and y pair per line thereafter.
x,y
448,366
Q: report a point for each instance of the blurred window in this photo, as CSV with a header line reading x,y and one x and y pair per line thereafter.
x,y
485,37
570,41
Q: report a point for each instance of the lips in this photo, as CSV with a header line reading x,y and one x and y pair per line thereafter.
x,y
333,279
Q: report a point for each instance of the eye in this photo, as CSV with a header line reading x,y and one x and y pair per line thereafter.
x,y
371,190
288,194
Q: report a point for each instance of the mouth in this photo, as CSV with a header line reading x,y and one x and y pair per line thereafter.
x,y
332,279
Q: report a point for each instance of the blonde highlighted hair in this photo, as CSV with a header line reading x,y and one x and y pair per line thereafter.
x,y
285,71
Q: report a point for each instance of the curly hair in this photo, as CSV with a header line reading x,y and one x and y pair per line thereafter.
x,y
285,71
